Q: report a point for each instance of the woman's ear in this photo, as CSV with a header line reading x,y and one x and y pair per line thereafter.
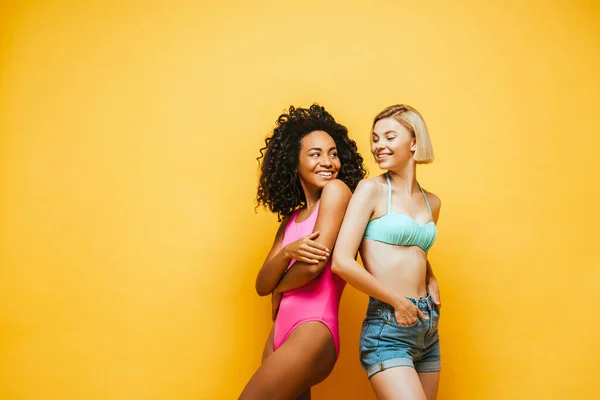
x,y
413,144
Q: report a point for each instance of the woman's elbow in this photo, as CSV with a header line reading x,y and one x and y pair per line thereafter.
x,y
261,290
337,266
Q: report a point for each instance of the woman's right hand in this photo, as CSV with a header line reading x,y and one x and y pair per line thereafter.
x,y
407,313
307,250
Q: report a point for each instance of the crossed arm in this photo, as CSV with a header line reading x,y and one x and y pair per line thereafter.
x,y
274,276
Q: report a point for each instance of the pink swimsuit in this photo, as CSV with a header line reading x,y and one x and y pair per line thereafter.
x,y
318,300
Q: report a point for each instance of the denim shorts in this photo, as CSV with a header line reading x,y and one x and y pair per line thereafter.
x,y
384,344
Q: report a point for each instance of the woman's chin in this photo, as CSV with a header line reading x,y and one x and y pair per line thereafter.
x,y
384,164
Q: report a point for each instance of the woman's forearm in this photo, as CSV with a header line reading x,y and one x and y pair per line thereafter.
x,y
355,275
271,272
429,274
298,275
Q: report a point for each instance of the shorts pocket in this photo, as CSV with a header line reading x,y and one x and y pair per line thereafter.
x,y
400,338
391,319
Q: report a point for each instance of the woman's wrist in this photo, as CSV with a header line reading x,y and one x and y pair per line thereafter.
x,y
285,252
397,302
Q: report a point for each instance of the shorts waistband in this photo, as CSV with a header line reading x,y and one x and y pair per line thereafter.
x,y
424,304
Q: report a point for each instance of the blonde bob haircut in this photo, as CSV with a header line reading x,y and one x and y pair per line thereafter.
x,y
412,120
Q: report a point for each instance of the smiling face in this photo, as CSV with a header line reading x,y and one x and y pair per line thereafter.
x,y
392,144
318,161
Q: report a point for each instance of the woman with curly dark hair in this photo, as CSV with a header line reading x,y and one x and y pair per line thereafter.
x,y
309,170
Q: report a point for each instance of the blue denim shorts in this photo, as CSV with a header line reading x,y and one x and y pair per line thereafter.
x,y
384,344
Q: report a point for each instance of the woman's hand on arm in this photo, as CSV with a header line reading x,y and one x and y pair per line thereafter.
x,y
307,250
332,207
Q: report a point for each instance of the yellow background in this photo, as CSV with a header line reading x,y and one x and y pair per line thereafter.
x,y
128,239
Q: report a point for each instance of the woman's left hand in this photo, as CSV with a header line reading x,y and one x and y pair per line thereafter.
x,y
434,289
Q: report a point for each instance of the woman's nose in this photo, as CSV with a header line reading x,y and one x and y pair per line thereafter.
x,y
325,161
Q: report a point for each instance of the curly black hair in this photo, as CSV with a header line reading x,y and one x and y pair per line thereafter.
x,y
279,187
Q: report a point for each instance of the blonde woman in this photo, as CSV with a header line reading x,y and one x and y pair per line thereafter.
x,y
391,220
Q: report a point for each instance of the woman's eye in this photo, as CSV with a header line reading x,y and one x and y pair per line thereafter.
x,y
314,154
391,138
333,154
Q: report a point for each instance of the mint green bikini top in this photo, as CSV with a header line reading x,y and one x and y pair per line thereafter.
x,y
400,229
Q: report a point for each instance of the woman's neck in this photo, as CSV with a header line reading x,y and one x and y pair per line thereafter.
x,y
405,178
